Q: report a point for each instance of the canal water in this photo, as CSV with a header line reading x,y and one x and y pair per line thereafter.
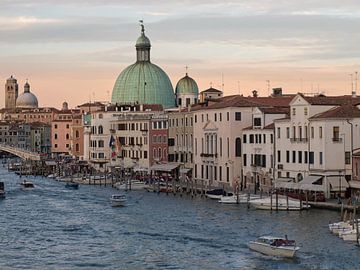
x,y
51,227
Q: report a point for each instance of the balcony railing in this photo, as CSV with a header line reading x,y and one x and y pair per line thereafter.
x,y
337,139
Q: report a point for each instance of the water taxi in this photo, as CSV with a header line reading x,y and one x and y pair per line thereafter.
x,y
118,200
27,185
274,246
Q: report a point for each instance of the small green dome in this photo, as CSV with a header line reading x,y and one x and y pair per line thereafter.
x,y
187,85
144,83
143,41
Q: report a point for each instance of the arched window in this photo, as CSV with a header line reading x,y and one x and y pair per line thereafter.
x,y
67,136
77,134
160,154
237,147
100,130
77,147
154,153
165,154
299,177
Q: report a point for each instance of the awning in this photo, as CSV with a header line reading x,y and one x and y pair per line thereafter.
x,y
337,183
140,169
286,183
312,183
167,167
354,184
50,163
185,170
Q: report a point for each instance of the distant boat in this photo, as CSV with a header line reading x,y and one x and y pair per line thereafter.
x,y
216,194
131,185
274,246
283,204
71,185
243,198
27,185
2,190
118,200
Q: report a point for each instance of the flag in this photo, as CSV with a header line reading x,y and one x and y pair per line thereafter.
x,y
118,145
112,141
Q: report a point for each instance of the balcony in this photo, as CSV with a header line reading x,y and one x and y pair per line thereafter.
x,y
337,140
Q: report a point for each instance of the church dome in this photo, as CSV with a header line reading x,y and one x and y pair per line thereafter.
x,y
27,99
187,85
143,82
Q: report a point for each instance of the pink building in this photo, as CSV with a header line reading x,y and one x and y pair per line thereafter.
x,y
158,136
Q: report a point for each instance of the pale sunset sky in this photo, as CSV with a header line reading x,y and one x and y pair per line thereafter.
x,y
74,50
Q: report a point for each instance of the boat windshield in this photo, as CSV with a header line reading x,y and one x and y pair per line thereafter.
x,y
283,242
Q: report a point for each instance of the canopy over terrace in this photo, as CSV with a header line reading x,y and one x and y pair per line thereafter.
x,y
309,183
166,167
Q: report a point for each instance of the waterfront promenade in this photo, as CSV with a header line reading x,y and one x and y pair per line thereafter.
x,y
55,228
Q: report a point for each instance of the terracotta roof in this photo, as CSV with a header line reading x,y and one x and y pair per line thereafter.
x,y
344,111
332,100
270,126
212,90
275,110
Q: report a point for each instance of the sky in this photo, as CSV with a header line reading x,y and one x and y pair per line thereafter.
x,y
74,50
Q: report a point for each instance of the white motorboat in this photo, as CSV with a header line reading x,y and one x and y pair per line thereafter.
x,y
26,185
118,200
339,227
274,246
131,185
234,199
283,204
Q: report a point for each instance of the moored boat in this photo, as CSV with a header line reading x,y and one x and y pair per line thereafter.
x,y
216,194
131,185
118,200
274,246
281,204
234,199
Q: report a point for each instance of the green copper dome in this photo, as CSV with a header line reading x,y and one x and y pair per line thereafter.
x,y
143,82
187,85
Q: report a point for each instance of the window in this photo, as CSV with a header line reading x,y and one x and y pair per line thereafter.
x,y
305,157
320,158
220,173
305,111
55,126
228,116
202,171
347,158
279,156
294,132
271,138
67,126
202,118
278,133
287,132
300,132
55,136
311,157
195,118
227,174
293,156
336,134
244,160
145,154
101,143
228,147
101,155
312,132
237,116
287,156
215,117
220,142
56,145
77,134
300,156
293,111
67,136
237,147
220,116
179,101
244,138
251,138
100,130
257,122
320,132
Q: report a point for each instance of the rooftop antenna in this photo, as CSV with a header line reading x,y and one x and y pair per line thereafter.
x,y
222,82
186,68
268,86
356,79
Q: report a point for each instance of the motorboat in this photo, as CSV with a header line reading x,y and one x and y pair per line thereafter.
x,y
72,185
2,190
234,199
283,204
274,246
216,194
131,185
339,227
27,185
118,200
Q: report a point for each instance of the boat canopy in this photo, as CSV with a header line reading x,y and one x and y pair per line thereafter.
x,y
309,183
338,183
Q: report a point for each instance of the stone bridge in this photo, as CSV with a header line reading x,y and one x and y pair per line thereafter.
x,y
21,153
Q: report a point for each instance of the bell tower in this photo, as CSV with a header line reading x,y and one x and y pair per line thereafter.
x,y
11,93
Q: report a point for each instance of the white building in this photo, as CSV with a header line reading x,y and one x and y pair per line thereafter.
x,y
315,143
